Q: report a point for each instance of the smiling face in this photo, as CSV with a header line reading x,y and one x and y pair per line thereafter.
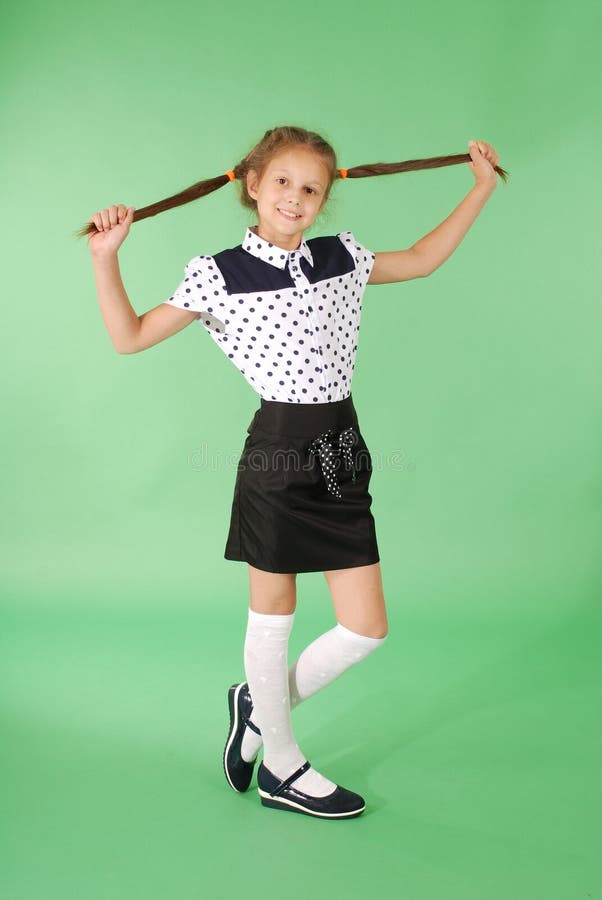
x,y
289,196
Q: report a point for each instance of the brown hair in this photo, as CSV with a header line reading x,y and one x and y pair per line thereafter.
x,y
274,142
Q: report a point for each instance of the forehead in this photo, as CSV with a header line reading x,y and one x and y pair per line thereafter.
x,y
303,165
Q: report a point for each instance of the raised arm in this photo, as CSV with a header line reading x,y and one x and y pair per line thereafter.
x,y
396,265
427,254
129,332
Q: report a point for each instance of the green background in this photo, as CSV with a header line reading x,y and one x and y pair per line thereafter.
x,y
474,733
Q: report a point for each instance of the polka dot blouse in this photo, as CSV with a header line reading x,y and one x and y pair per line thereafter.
x,y
287,319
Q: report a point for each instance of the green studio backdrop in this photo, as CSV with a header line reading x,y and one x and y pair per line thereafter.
x,y
474,733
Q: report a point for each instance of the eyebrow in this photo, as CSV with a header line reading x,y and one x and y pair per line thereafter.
x,y
319,183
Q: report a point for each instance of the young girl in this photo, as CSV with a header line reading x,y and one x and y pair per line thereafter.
x,y
286,311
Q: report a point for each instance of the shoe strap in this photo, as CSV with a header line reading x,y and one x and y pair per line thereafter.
x,y
284,784
253,726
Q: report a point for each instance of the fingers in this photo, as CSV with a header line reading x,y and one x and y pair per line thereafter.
x,y
105,219
111,215
488,152
97,221
124,211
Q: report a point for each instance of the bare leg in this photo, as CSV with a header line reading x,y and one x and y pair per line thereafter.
x,y
358,599
271,592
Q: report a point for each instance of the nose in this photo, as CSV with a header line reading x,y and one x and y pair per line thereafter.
x,y
293,197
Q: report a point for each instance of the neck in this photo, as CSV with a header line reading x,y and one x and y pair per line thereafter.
x,y
283,241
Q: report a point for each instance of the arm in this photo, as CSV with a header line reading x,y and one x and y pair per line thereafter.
x,y
427,254
437,246
396,265
129,332
433,249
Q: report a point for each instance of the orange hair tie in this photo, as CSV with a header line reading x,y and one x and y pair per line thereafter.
x,y
230,174
343,173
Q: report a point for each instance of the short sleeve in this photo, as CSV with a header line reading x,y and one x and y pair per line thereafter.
x,y
201,291
364,258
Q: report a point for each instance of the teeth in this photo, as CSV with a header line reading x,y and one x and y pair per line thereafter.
x,y
289,215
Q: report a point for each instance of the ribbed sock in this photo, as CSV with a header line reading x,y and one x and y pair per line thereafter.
x,y
322,661
266,667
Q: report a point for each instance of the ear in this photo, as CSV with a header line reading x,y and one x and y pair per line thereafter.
x,y
252,182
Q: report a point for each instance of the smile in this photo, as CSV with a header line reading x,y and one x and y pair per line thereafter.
x,y
290,216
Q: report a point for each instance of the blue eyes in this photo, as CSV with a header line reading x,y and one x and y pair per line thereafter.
x,y
282,178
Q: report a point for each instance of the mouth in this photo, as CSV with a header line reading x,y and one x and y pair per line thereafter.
x,y
291,217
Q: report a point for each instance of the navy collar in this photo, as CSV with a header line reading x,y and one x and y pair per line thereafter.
x,y
270,253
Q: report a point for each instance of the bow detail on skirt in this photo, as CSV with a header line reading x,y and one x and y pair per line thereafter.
x,y
322,447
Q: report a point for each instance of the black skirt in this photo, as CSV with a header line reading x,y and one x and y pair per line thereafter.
x,y
301,501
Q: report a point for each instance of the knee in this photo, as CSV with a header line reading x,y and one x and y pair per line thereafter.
x,y
375,630
272,593
273,606
378,628
381,632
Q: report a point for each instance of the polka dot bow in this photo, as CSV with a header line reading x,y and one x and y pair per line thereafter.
x,y
322,447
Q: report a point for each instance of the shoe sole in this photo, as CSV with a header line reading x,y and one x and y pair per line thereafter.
x,y
234,721
268,800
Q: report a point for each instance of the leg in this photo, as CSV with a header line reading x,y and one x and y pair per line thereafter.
x,y
358,599
361,628
272,592
266,666
359,606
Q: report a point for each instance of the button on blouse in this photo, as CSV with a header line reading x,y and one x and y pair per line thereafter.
x,y
287,319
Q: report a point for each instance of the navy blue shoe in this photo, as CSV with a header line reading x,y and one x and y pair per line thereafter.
x,y
238,771
339,804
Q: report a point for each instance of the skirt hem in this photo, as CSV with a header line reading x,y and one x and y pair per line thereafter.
x,y
300,570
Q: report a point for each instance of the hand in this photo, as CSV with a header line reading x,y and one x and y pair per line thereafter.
x,y
113,224
484,158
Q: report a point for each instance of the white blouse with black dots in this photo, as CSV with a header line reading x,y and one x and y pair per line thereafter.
x,y
288,319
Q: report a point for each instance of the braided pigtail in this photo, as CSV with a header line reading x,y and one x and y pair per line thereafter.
x,y
200,189
412,165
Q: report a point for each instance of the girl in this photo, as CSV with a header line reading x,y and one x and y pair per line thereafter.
x,y
286,311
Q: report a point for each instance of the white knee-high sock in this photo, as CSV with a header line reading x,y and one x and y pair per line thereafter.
x,y
322,661
266,667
